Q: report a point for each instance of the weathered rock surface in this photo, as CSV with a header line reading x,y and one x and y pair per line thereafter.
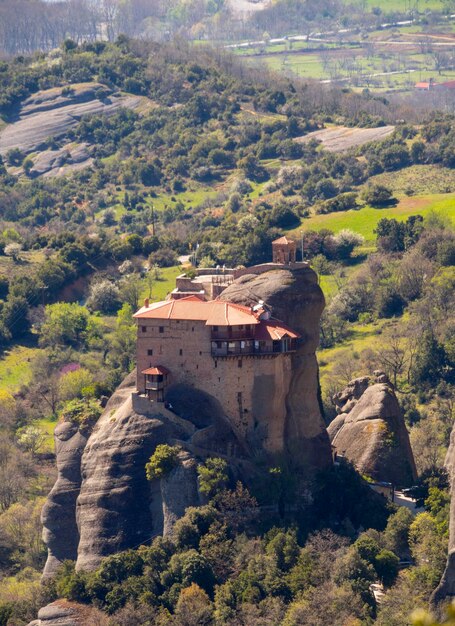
x,y
60,532
102,503
63,613
53,112
113,508
59,162
294,296
445,591
371,433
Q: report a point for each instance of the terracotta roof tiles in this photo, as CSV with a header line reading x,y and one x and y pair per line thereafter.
x,y
213,313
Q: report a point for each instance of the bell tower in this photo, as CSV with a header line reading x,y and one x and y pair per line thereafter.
x,y
284,251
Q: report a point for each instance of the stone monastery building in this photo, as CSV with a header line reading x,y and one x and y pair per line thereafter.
x,y
239,355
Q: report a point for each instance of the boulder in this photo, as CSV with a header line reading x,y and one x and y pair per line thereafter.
x,y
371,432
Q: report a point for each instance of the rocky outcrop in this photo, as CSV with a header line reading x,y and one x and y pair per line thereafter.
x,y
294,296
445,592
69,158
63,613
371,433
102,503
113,507
60,532
52,113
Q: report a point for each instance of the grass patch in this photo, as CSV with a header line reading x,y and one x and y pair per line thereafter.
x,y
15,367
364,220
161,288
190,197
47,425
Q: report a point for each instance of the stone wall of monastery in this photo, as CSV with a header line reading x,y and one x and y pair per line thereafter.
x,y
251,389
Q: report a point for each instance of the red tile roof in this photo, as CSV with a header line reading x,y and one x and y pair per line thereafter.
x,y
282,240
275,330
156,371
424,85
213,313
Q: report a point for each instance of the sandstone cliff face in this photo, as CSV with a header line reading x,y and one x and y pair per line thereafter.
x,y
370,431
445,591
60,532
294,297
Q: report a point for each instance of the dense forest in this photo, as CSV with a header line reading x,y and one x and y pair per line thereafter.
x,y
209,166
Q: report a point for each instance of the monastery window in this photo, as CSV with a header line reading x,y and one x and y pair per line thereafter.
x,y
180,351
239,363
150,352
215,329
161,329
144,329
200,353
216,363
192,329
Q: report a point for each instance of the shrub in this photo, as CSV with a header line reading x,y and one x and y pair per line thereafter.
x,y
84,413
162,462
377,195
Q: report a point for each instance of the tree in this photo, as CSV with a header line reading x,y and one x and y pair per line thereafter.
x,y
345,242
213,476
252,168
386,565
130,290
13,250
104,296
15,470
31,438
397,531
420,617
77,384
20,527
64,324
15,316
429,362
123,341
193,607
84,413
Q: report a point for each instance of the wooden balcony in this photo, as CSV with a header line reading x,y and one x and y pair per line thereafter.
x,y
250,348
232,335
